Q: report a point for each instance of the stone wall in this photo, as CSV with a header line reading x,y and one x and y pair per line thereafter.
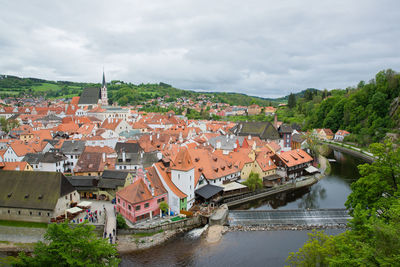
x,y
27,215
185,223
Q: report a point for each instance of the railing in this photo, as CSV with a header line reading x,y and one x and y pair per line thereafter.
x,y
259,192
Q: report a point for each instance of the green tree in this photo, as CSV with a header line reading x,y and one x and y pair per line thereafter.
x,y
7,125
254,181
69,245
163,206
292,100
121,223
374,235
378,179
315,252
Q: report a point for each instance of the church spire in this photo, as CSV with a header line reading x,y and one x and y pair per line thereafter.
x,y
103,92
104,79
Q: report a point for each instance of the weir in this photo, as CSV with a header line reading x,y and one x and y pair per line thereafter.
x,y
275,218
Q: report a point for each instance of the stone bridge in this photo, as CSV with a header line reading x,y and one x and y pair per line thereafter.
x,y
277,218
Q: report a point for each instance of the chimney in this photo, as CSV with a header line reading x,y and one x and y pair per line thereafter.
x,y
123,156
158,136
104,157
269,163
152,191
218,146
151,138
276,121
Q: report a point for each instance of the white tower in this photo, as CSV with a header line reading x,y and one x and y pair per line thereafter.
x,y
104,97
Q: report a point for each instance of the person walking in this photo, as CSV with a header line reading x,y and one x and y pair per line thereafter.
x,y
114,231
105,234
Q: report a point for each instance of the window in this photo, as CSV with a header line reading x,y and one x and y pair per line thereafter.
x,y
8,211
137,207
179,176
146,205
123,204
129,207
19,212
118,200
40,214
30,213
48,214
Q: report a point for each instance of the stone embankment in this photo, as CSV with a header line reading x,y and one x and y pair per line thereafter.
x,y
130,243
354,151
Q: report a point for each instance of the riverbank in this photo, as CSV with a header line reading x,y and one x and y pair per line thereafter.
x,y
356,152
134,242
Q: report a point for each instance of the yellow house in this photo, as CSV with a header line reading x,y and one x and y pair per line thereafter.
x,y
264,167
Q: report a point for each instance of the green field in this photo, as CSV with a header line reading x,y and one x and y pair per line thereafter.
x,y
23,224
45,87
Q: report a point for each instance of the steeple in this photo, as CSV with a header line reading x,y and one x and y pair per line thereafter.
x,y
103,92
104,79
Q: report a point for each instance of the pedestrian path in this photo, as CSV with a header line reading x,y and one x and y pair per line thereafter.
x,y
110,228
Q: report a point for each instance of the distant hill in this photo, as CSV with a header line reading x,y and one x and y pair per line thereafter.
x,y
119,91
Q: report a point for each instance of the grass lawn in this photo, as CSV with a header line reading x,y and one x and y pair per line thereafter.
x,y
177,219
23,224
147,234
45,87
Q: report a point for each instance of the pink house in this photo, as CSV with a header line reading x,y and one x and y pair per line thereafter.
x,y
141,199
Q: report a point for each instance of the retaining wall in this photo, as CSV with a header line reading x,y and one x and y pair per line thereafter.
x,y
354,153
185,223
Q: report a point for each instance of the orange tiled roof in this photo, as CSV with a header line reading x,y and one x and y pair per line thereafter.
x,y
166,176
294,157
13,166
211,165
182,161
136,192
75,100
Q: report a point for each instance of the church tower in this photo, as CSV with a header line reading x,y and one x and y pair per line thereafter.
x,y
104,97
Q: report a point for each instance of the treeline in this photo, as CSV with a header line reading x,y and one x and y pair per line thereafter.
x,y
119,91
365,110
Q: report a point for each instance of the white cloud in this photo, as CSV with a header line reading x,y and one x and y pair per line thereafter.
x,y
257,47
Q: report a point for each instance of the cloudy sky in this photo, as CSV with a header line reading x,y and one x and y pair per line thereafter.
x,y
262,48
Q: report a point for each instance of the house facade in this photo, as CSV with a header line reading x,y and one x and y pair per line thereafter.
x,y
340,135
35,196
141,199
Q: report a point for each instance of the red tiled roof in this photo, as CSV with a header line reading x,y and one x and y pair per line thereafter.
x,y
183,161
167,179
294,157
136,192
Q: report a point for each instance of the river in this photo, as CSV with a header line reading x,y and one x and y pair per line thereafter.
x,y
261,248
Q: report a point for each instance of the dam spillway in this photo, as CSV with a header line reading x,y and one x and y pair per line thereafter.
x,y
276,218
